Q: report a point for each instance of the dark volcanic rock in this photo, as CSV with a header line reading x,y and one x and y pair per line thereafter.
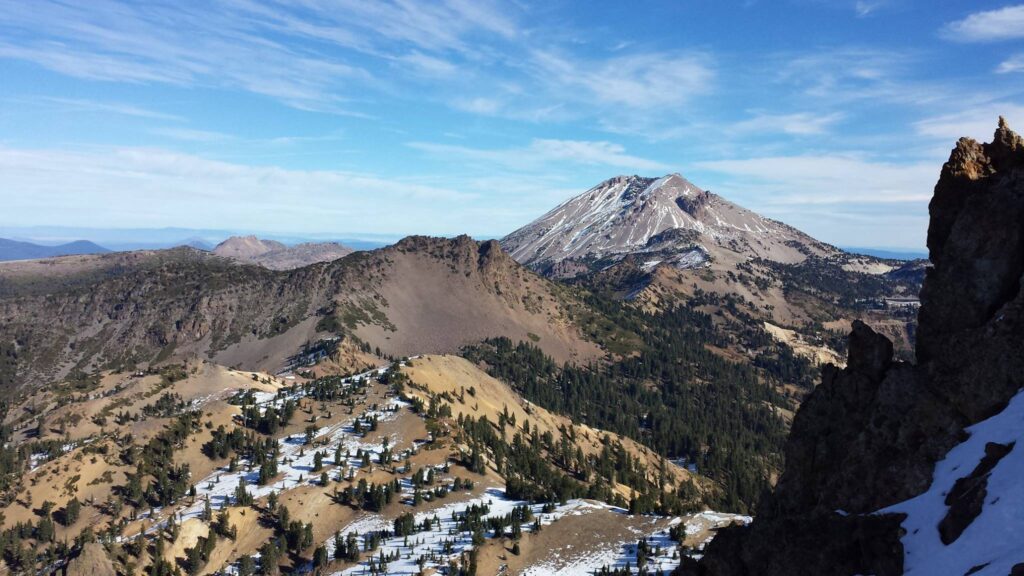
x,y
870,353
967,497
869,436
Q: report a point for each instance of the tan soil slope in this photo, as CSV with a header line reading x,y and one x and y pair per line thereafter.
x,y
793,339
439,295
569,538
92,561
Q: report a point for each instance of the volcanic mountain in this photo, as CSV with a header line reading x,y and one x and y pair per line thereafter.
x,y
277,256
663,241
659,220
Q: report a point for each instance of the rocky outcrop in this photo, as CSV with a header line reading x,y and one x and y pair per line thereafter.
x,y
870,435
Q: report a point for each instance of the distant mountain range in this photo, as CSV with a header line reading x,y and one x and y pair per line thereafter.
x,y
17,250
122,239
888,253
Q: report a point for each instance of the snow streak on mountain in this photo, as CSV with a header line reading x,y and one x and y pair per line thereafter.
x,y
667,216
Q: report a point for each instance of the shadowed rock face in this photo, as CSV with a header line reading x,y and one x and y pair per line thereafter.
x,y
870,435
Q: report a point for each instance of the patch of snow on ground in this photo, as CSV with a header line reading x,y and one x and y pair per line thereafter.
x,y
692,259
295,463
663,557
429,544
994,537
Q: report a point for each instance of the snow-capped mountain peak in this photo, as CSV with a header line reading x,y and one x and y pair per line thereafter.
x,y
636,214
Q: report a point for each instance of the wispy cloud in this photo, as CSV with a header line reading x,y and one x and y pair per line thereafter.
x,y
848,74
192,135
96,106
480,105
796,124
429,65
865,8
303,54
978,122
988,26
645,81
544,152
146,187
831,179
1012,64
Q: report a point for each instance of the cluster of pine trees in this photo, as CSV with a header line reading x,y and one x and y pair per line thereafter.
x,y
674,395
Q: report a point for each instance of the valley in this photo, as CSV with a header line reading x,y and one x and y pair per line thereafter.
x,y
435,405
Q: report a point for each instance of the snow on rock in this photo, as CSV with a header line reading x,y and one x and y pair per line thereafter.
x,y
993,539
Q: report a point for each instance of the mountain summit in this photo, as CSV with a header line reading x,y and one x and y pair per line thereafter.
x,y
277,256
666,219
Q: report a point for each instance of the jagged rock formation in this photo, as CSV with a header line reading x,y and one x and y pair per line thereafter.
x,y
870,435
277,256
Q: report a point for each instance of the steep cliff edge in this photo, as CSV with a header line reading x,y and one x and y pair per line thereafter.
x,y
868,439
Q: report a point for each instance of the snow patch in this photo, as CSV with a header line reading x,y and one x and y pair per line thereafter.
x,y
993,539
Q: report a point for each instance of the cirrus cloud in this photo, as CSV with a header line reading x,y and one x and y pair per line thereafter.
x,y
542,152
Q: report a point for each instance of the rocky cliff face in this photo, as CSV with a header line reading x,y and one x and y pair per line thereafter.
x,y
870,435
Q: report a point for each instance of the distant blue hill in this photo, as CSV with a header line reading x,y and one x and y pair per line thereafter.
x,y
15,250
889,254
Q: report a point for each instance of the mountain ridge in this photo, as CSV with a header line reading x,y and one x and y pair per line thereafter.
x,y
423,294
661,242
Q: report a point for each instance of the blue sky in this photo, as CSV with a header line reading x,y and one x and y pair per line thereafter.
x,y
348,118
